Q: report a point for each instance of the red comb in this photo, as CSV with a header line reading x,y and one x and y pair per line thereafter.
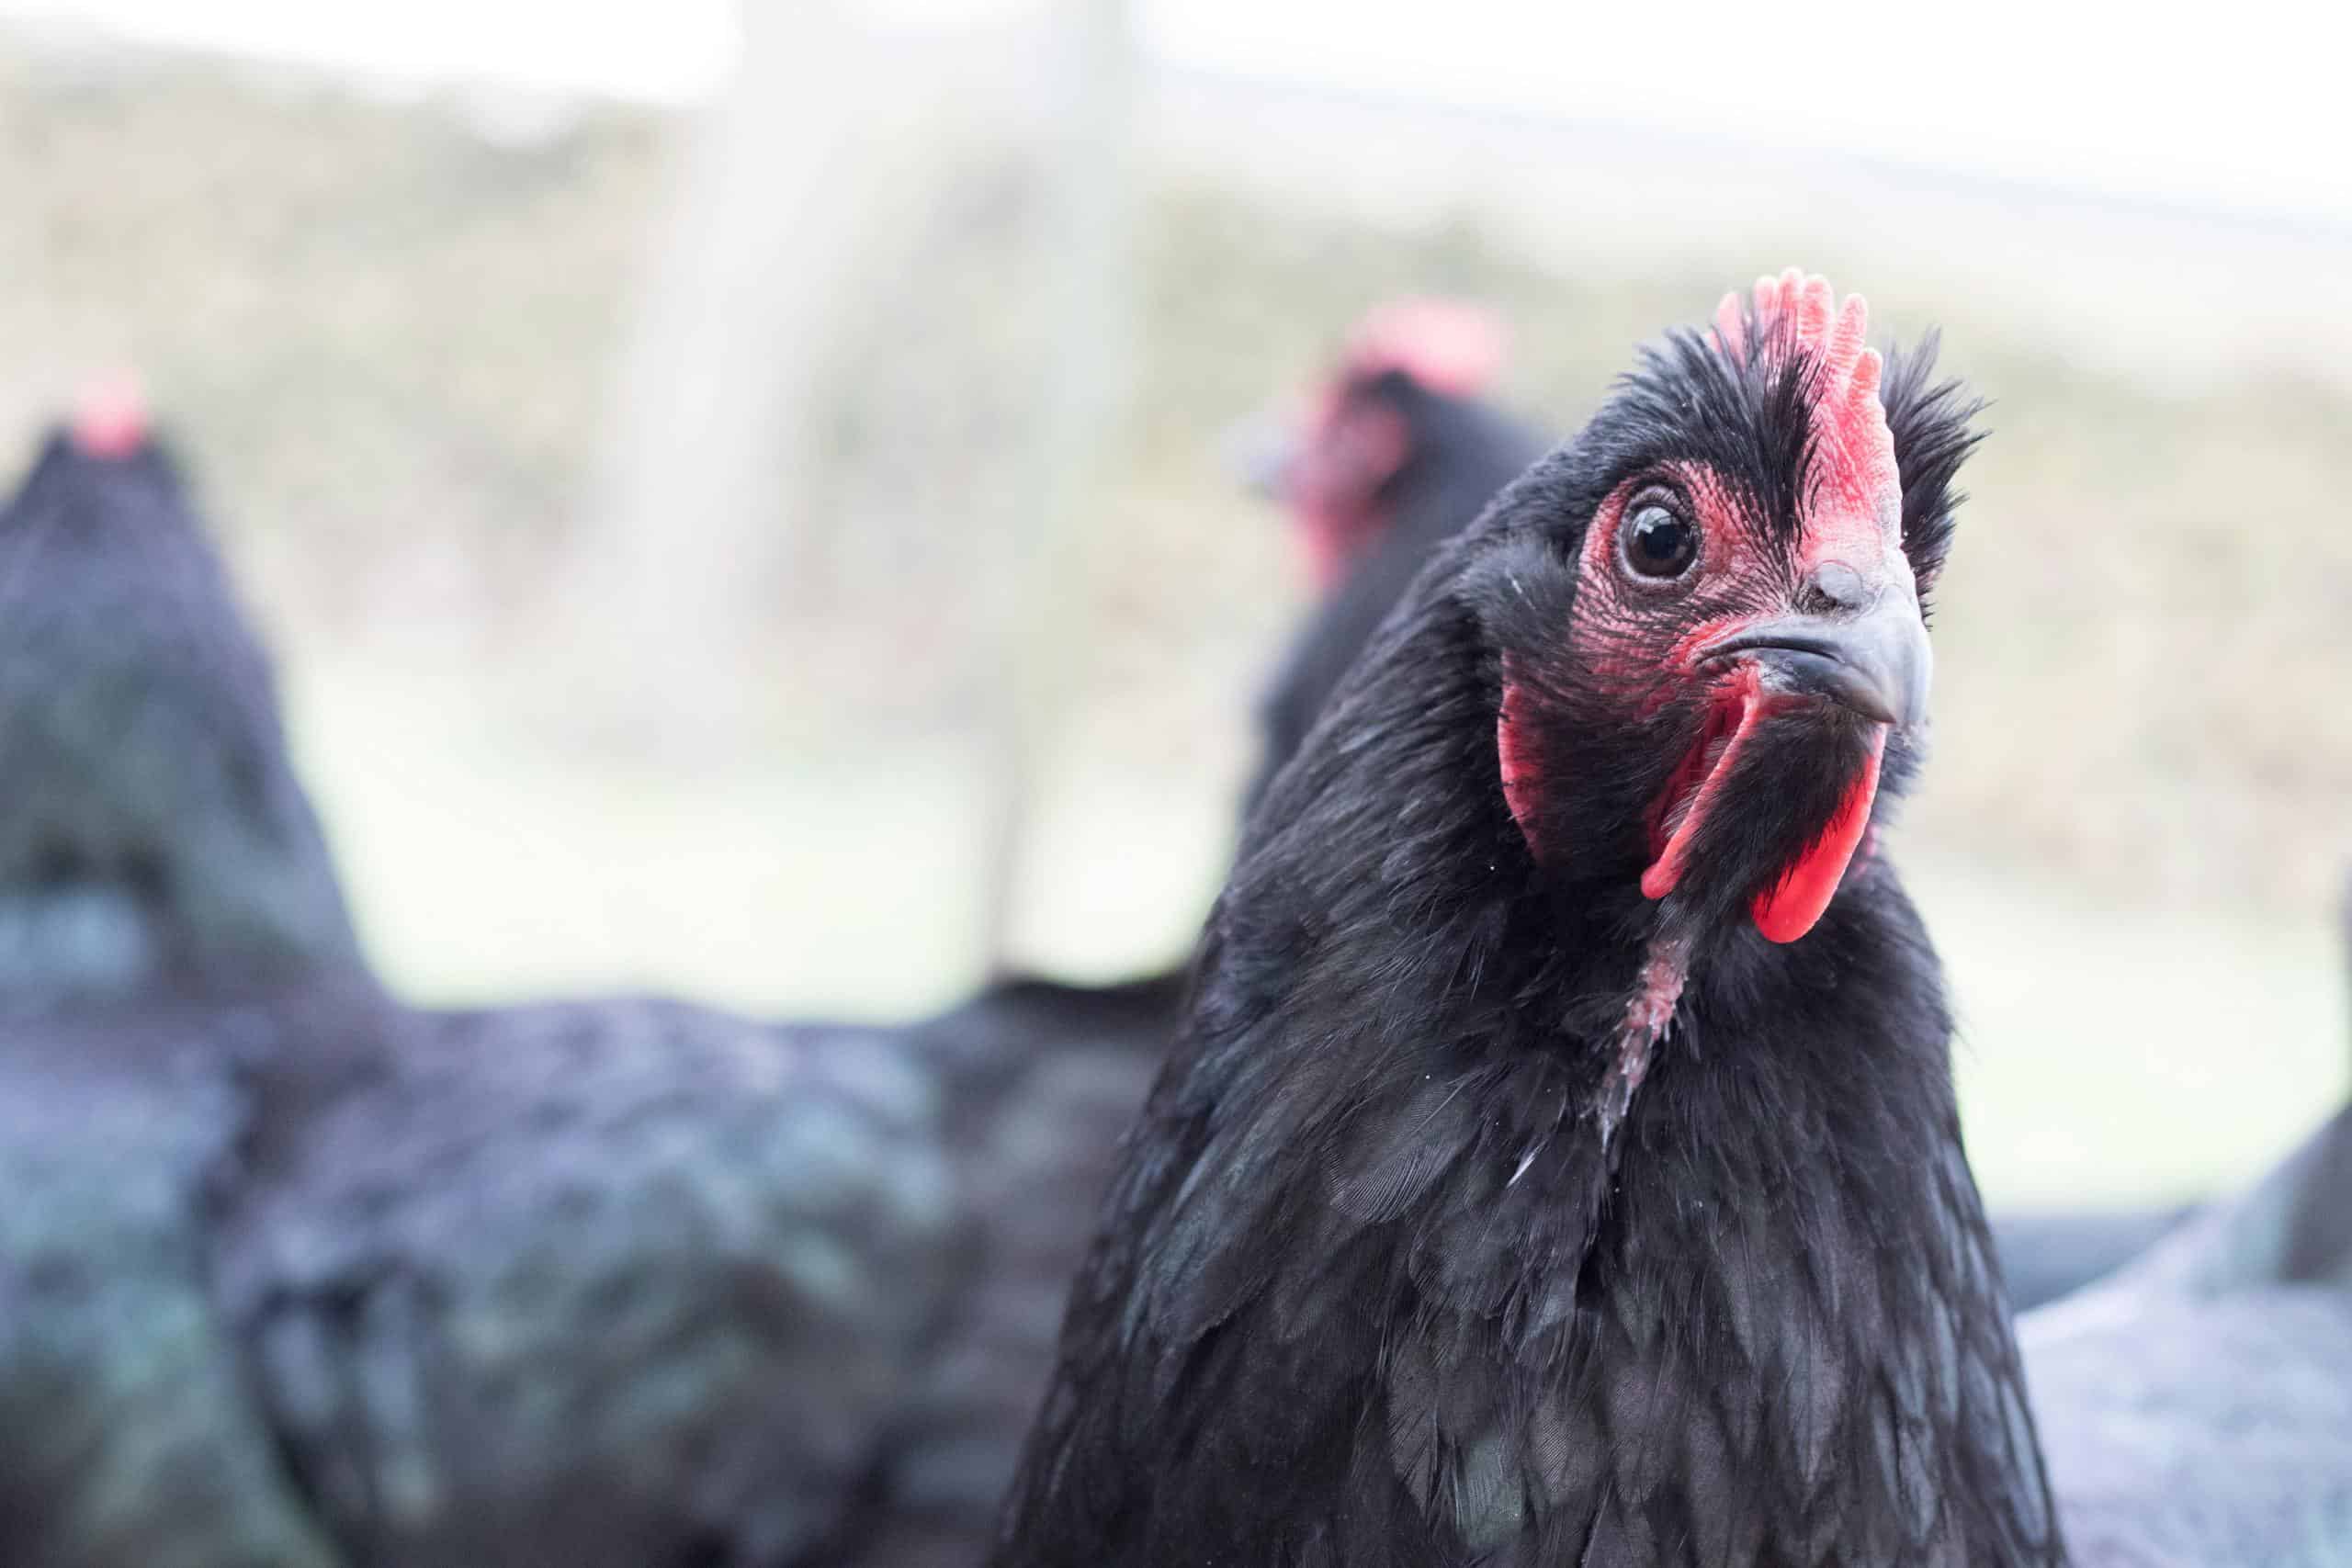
x,y
110,418
1794,315
1447,345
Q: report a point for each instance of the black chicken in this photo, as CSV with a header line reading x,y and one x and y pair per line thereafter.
x,y
1400,450
1560,1162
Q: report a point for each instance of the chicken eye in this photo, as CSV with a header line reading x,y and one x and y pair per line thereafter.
x,y
1658,542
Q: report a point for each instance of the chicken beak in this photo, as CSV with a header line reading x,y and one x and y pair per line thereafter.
x,y
1258,452
1875,662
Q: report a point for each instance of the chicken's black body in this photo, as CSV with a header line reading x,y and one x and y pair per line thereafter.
x,y
130,1436
1329,1326
301,1278
1376,1285
598,1284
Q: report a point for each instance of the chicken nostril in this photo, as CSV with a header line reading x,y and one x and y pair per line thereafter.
x,y
1832,586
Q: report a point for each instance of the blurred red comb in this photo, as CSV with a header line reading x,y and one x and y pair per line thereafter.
x,y
1447,345
110,418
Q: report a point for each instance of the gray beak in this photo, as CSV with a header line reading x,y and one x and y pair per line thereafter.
x,y
1876,661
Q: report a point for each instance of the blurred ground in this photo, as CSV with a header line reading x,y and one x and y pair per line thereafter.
x,y
386,332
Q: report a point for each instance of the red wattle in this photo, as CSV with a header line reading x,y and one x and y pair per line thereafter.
x,y
1518,770
1788,909
1743,710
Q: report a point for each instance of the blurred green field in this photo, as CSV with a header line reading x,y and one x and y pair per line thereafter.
x,y
388,334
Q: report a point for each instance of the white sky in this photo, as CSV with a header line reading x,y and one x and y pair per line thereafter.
x,y
2247,106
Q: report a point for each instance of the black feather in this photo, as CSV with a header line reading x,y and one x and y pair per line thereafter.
x,y
1934,430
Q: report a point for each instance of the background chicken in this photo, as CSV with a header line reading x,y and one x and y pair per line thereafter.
x,y
170,917
154,832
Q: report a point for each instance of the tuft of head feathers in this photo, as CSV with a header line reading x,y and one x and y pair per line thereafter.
x,y
1932,425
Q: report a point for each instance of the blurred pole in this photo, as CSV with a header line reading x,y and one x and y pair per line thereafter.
x,y
1040,626
788,193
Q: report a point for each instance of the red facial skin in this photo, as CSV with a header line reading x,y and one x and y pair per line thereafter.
x,y
1646,638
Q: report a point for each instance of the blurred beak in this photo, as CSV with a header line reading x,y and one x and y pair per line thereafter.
x,y
1258,452
1875,662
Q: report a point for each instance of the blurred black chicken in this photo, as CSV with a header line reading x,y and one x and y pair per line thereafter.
x,y
1560,1162
293,1274
166,908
